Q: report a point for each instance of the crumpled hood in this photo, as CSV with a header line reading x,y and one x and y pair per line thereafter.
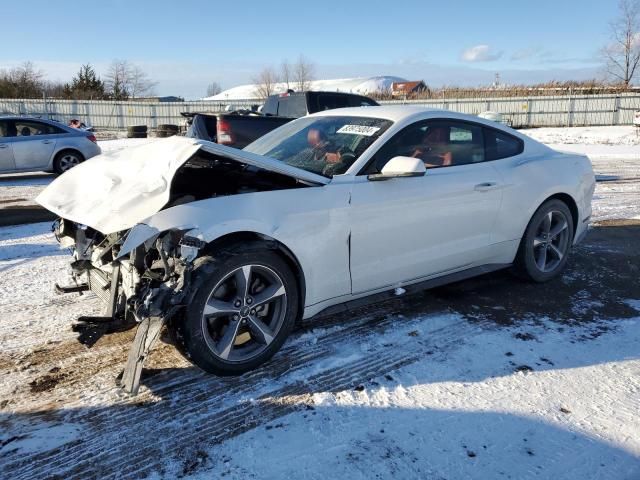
x,y
115,191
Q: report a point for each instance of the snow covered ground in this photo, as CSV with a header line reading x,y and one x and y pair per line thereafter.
x,y
489,378
612,150
463,382
616,135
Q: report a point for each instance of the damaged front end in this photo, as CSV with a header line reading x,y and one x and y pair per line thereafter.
x,y
131,219
145,287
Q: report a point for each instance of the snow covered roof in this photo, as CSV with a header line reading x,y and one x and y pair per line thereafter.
x,y
362,85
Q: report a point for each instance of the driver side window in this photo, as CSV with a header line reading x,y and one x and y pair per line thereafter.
x,y
438,143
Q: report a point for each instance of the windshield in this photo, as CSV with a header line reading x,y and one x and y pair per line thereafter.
x,y
324,145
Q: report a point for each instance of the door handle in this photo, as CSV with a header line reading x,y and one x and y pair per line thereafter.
x,y
486,186
47,141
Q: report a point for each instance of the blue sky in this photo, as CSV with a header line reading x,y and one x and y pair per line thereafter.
x,y
186,45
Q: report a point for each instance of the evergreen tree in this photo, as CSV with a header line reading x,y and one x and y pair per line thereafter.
x,y
85,85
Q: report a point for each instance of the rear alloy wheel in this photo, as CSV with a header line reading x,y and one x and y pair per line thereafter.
x,y
545,247
242,312
66,161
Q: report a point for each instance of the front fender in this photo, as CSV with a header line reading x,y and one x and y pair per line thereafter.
x,y
311,222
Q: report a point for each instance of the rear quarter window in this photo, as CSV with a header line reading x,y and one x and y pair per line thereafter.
x,y
501,145
292,106
331,102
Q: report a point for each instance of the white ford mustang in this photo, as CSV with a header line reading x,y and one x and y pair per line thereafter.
x,y
230,247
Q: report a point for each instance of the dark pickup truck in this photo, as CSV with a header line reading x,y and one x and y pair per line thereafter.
x,y
239,129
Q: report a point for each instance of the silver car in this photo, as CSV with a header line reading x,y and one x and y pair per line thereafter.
x,y
32,144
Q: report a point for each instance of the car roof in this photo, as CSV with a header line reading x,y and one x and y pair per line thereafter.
x,y
405,114
27,117
36,119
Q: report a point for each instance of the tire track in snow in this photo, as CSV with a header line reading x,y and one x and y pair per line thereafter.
x,y
117,446
198,386
108,356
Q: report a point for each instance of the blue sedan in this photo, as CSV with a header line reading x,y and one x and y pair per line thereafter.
x,y
32,144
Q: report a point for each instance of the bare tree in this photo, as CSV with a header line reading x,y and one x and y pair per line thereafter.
x,y
140,85
286,73
124,80
303,74
266,82
116,81
54,89
213,88
622,55
24,81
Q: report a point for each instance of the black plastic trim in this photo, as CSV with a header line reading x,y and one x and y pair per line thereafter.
x,y
416,287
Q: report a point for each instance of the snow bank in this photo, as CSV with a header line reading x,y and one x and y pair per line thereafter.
x,y
361,86
625,135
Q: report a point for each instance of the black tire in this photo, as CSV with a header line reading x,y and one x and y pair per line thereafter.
x,y
137,129
197,333
169,127
529,263
165,133
66,159
136,134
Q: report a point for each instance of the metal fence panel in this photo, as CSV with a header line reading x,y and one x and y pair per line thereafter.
x,y
551,111
535,111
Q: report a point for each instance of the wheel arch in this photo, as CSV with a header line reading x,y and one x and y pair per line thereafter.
x,y
570,202
65,148
232,239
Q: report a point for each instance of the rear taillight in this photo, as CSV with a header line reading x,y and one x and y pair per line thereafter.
x,y
92,138
224,134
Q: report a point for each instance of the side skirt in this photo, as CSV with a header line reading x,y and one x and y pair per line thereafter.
x,y
415,287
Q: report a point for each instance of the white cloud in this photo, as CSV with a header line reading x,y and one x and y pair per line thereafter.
x,y
480,53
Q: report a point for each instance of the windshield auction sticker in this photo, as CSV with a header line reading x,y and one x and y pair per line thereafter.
x,y
358,130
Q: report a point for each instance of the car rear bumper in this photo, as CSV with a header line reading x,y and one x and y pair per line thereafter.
x,y
582,230
91,150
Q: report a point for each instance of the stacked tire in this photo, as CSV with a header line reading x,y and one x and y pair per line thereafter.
x,y
167,130
137,131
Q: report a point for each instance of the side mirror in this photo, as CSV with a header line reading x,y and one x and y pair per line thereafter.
x,y
400,167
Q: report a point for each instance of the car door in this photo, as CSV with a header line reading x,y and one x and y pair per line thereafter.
x,y
6,152
34,144
405,229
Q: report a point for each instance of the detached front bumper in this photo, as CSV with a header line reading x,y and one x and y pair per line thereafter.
x,y
99,283
145,287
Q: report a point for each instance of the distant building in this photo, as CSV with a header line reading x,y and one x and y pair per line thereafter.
x,y
408,89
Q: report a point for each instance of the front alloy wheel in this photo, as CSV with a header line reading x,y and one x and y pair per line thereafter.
x,y
242,312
